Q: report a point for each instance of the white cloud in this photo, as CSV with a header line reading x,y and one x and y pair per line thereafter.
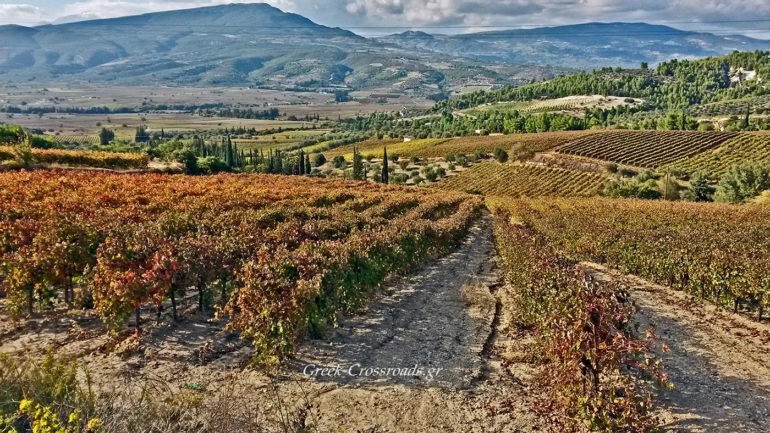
x,y
23,14
364,16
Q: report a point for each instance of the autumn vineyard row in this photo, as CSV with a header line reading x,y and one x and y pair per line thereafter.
x,y
745,147
282,254
649,149
715,252
84,158
582,330
523,180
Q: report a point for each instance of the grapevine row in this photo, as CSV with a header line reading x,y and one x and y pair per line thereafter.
x,y
716,252
744,147
523,180
283,254
582,330
649,149
86,158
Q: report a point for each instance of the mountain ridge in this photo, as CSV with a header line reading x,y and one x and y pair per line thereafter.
x,y
221,45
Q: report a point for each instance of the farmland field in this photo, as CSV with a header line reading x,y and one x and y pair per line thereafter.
x,y
744,147
147,238
665,242
523,180
648,149
440,147
468,145
395,147
279,140
574,104
80,158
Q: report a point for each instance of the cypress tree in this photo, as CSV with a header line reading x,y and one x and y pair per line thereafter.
x,y
307,165
301,163
358,164
229,157
384,165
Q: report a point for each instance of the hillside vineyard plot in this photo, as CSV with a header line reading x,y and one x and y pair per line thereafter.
x,y
395,147
744,147
523,180
648,149
85,158
281,254
468,145
716,252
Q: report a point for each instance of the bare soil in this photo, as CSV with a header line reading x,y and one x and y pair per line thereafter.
x,y
719,361
448,318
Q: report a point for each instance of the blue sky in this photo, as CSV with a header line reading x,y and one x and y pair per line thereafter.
x,y
748,17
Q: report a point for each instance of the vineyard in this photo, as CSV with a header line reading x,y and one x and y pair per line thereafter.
x,y
582,330
278,141
280,254
395,147
577,102
75,139
82,158
744,147
648,149
536,142
738,107
666,243
523,180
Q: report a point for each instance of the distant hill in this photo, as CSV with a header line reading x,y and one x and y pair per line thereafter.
x,y
257,44
702,85
583,46
237,44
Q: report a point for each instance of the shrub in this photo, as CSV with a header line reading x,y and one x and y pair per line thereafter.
x,y
699,188
338,161
641,186
319,159
500,155
211,165
742,182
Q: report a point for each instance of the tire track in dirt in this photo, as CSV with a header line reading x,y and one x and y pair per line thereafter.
x,y
719,362
442,316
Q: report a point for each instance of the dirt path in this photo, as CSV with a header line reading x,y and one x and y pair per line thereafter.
x,y
444,319
718,361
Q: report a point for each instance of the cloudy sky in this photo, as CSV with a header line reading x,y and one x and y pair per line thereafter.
x,y
368,17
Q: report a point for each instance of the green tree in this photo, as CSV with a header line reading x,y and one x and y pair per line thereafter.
x,y
699,187
338,161
105,136
500,155
319,159
385,173
358,164
742,182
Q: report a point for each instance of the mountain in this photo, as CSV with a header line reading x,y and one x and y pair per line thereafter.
x,y
582,46
236,44
259,45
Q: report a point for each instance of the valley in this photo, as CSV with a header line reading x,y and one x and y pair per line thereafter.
x,y
235,218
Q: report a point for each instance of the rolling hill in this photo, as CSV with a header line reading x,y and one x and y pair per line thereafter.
x,y
259,45
236,44
582,46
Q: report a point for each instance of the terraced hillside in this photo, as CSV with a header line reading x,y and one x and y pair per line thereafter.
x,y
648,149
395,146
731,107
440,147
523,180
744,147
